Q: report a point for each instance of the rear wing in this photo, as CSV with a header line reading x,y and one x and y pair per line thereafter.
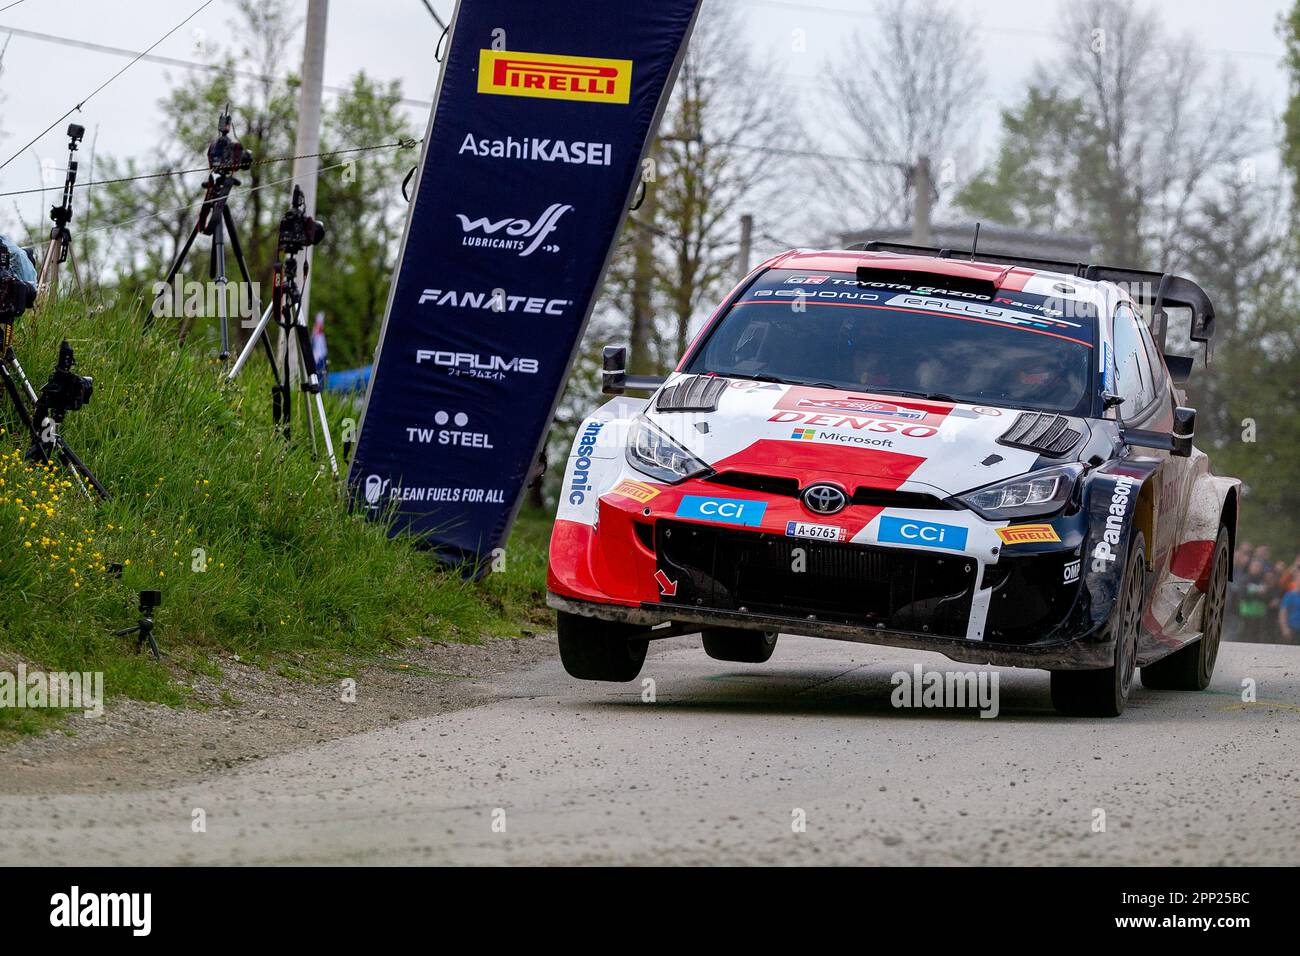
x,y
1155,291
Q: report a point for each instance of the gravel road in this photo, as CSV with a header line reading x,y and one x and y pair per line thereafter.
x,y
723,767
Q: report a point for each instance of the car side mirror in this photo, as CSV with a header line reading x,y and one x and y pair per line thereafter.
x,y
614,379
1184,431
613,376
1178,442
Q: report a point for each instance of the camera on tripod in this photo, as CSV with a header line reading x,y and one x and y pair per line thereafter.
x,y
226,155
66,391
297,229
17,295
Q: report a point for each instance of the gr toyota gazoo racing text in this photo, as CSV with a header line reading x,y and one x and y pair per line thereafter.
x,y
986,458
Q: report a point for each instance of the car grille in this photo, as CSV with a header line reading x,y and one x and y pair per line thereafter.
x,y
863,495
843,583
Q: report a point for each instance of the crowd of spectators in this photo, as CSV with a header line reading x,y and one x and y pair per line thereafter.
x,y
1263,598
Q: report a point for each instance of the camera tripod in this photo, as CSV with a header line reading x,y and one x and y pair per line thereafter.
x,y
286,307
60,249
144,628
42,423
225,157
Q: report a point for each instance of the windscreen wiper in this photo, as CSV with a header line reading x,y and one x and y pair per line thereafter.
x,y
909,393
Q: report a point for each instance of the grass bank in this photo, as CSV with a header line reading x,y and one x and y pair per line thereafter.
x,y
250,542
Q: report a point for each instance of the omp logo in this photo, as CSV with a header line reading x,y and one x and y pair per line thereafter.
x,y
518,235
1103,555
1028,534
550,76
74,908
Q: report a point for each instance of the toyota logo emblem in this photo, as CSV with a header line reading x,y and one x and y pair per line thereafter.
x,y
824,499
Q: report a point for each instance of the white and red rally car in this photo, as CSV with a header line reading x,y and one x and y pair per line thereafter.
x,y
988,459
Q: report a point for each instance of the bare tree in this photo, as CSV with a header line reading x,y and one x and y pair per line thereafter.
x,y
1164,124
904,90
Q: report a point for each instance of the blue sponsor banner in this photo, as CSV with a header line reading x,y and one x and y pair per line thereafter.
x,y
532,157
727,510
925,534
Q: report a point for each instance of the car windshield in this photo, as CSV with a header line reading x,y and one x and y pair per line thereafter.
x,y
830,329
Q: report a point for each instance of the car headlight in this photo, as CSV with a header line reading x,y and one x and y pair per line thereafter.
x,y
652,452
1040,493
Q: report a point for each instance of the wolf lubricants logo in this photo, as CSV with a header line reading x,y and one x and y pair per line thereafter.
x,y
553,77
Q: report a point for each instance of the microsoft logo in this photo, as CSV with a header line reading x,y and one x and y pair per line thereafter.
x,y
804,434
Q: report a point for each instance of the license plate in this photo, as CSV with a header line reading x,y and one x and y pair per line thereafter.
x,y
822,532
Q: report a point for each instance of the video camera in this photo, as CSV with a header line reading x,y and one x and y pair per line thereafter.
x,y
297,229
226,155
65,391
17,295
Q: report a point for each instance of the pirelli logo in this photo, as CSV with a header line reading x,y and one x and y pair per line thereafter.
x,y
553,77
1028,534
635,490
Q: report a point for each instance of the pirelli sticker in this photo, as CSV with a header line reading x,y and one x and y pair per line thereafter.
x,y
1028,534
635,490
550,76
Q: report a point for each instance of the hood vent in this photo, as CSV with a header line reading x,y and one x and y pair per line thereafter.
x,y
695,393
1046,434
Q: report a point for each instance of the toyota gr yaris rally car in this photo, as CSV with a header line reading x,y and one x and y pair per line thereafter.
x,y
989,459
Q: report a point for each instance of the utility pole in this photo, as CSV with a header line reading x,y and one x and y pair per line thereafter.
x,y
308,139
746,242
922,191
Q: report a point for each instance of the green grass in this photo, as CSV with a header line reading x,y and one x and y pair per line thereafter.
x,y
200,479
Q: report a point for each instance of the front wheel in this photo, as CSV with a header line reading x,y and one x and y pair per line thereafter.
x,y
592,649
1192,666
1104,693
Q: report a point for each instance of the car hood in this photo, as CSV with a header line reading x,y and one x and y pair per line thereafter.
x,y
858,439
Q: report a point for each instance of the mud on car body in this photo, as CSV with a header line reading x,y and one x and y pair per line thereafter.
x,y
988,459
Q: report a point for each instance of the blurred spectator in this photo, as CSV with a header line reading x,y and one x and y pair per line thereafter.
x,y
1288,615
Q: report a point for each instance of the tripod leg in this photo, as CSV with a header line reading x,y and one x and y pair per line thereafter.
x,y
229,218
47,283
259,334
219,277
24,415
171,276
312,384
78,467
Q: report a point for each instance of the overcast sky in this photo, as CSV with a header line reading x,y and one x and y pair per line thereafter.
x,y
394,39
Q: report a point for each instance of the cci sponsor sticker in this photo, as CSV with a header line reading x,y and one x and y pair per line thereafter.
x,y
1028,534
926,534
727,510
635,490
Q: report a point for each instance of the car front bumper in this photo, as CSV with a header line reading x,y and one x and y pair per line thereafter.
x,y
1088,651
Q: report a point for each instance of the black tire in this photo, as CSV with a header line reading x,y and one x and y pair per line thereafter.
x,y
1105,692
738,644
1191,667
592,649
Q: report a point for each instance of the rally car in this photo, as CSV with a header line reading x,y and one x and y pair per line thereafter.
x,y
986,458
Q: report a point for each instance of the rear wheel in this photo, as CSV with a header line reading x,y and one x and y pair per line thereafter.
x,y
1104,693
1191,667
738,644
592,649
